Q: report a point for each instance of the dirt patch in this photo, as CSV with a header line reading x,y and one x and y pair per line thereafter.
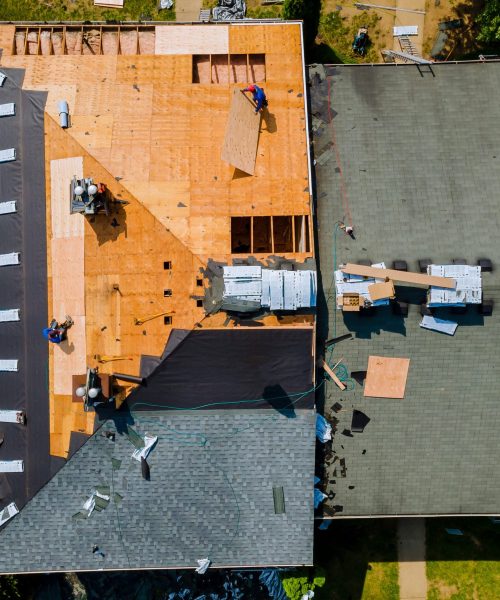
x,y
461,41
445,591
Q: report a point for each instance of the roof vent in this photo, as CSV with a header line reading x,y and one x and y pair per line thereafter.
x,y
279,500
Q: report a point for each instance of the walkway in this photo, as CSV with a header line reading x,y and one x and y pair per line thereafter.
x,y
187,10
411,556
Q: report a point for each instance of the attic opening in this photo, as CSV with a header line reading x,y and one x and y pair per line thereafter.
x,y
167,265
232,68
241,235
277,234
283,234
262,235
301,224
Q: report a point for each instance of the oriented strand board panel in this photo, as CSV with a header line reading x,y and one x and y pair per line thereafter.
x,y
192,39
386,377
242,134
380,291
7,38
64,224
406,276
70,357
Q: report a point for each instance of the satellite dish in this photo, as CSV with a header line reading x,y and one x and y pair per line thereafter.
x,y
81,391
92,190
94,392
79,190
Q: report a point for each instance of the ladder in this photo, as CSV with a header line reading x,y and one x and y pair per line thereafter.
x,y
406,46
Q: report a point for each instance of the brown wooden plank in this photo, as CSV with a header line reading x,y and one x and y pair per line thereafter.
x,y
333,377
405,276
242,134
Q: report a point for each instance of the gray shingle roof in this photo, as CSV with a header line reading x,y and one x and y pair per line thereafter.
x,y
420,158
210,494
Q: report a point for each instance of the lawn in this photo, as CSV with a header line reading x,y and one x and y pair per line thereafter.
x,y
360,560
463,567
81,10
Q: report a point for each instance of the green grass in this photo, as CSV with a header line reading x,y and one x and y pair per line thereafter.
x,y
81,10
360,560
463,567
338,33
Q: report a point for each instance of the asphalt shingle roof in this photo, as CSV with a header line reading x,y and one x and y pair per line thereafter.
x,y
418,155
210,495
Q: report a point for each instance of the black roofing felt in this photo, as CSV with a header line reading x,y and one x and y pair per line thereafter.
x,y
24,286
233,368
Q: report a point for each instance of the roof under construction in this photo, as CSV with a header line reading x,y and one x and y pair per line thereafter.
x,y
148,119
410,158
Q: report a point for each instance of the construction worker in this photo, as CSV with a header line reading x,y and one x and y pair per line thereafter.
x,y
56,333
258,95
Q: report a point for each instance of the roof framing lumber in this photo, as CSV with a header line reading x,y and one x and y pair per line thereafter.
x,y
404,276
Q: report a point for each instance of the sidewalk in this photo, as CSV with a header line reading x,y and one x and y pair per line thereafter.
x,y
411,556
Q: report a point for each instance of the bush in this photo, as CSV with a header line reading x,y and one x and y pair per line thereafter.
x,y
299,582
489,21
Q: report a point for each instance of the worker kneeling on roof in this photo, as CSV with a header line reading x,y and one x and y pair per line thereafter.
x,y
56,332
258,95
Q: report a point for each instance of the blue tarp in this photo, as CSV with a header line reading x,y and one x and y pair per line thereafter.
x,y
323,429
271,579
318,497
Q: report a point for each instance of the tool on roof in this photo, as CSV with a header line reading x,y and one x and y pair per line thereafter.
x,y
145,319
104,358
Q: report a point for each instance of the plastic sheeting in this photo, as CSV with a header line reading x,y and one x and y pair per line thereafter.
x,y
271,579
318,497
149,442
203,564
323,429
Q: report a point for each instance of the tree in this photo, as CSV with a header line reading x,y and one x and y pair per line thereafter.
x,y
304,10
489,22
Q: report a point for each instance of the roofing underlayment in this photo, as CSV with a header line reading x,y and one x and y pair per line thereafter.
x,y
416,171
23,290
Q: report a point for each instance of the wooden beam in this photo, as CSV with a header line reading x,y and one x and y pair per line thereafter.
x,y
405,276
333,377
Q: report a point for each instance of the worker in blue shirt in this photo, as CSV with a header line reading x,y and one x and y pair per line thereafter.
x,y
258,95
56,333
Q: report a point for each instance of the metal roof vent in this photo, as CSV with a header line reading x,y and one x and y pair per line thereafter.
x,y
279,500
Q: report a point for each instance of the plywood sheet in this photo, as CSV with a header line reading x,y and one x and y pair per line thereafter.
x,y
64,224
381,291
192,39
242,134
68,288
386,377
7,39
70,357
406,276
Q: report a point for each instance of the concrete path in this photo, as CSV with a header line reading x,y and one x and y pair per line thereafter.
x,y
411,556
187,10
